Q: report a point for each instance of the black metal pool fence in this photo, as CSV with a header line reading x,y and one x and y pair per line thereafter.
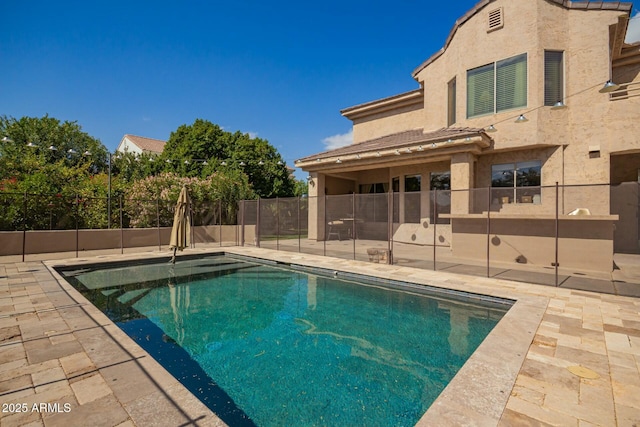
x,y
527,226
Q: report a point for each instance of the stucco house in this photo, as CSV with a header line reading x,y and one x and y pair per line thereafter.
x,y
139,144
514,103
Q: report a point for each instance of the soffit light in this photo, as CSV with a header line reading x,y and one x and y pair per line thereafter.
x,y
397,152
338,161
420,148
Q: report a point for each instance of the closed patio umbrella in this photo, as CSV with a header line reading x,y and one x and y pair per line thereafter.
x,y
181,231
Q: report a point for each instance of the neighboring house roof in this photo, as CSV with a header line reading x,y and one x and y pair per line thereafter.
x,y
399,140
149,145
579,5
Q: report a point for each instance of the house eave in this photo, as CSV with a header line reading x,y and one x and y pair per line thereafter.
x,y
414,97
416,151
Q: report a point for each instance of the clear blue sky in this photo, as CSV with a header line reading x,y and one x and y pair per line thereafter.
x,y
281,70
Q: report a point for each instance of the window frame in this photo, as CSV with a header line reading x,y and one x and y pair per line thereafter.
x,y
559,86
515,191
451,101
473,99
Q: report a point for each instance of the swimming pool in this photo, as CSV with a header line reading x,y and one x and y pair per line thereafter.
x,y
266,345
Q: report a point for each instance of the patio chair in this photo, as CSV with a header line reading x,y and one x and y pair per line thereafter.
x,y
335,229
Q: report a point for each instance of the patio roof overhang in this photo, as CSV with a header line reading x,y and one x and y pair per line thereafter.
x,y
405,148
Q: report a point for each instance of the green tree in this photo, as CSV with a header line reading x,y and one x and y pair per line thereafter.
x,y
47,164
204,148
30,143
301,188
212,198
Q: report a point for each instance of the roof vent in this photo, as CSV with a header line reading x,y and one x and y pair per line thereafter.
x,y
496,20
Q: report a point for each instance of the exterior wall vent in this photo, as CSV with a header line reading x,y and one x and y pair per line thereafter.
x,y
496,20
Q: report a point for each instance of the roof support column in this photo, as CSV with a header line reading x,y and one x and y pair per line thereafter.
x,y
462,178
317,221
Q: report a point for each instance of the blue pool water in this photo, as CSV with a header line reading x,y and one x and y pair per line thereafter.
x,y
271,346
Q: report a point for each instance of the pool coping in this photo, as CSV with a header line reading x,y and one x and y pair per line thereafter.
x,y
477,395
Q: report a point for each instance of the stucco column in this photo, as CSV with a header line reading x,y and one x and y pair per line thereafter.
x,y
462,166
316,206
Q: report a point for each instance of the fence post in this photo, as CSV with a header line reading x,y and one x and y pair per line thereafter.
x,y
324,238
158,224
121,227
390,206
555,264
277,224
242,210
220,220
192,228
77,225
258,223
488,230
353,231
24,225
299,247
435,221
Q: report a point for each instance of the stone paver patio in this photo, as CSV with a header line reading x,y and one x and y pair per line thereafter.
x,y
559,357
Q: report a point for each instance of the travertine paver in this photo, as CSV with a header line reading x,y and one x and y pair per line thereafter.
x,y
56,349
59,366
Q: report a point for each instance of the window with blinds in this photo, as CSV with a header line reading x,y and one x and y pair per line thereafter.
x,y
480,91
553,77
511,83
497,87
451,102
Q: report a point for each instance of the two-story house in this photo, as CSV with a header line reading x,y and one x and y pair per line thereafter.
x,y
523,95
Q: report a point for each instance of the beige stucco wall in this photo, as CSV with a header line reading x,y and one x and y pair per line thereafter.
x,y
386,123
583,245
49,241
532,27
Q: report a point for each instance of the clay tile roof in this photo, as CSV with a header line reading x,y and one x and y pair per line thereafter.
x,y
147,144
397,140
580,5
